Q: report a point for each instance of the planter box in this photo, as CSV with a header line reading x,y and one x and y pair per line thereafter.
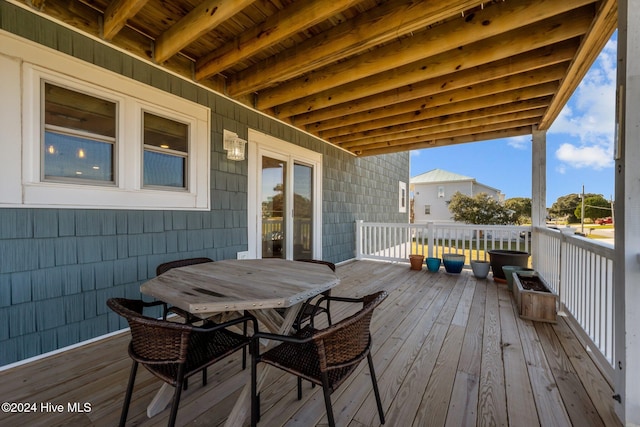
x,y
539,305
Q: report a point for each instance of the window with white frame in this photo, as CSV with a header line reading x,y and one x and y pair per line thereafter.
x,y
79,137
402,196
427,209
441,192
87,137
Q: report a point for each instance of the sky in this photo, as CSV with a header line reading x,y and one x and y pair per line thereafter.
x,y
579,145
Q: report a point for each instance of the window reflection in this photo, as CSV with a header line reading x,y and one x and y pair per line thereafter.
x,y
79,136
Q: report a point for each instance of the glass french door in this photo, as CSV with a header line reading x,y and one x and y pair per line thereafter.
x,y
286,203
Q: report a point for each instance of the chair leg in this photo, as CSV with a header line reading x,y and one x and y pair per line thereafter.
x,y
204,377
327,400
176,397
255,403
127,397
375,388
299,388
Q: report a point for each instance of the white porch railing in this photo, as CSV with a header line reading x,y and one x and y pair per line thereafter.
x,y
395,242
579,270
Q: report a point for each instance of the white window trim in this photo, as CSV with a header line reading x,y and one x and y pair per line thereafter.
x,y
22,66
259,144
403,198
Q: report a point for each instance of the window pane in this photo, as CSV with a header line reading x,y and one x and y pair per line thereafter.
x,y
273,207
302,212
67,156
164,170
165,133
166,145
74,110
79,135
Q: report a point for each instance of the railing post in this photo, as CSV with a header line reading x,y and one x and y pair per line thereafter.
x,y
359,224
430,239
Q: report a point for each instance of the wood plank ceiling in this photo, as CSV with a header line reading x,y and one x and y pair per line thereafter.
x,y
372,77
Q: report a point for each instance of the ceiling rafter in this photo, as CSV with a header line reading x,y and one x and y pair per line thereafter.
x,y
485,24
277,27
382,24
117,14
206,16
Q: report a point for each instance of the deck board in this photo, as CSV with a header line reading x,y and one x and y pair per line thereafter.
x,y
448,350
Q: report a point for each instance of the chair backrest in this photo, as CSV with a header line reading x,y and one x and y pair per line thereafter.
x,y
348,342
152,340
163,268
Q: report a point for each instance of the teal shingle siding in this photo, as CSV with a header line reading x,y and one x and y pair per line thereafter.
x,y
58,266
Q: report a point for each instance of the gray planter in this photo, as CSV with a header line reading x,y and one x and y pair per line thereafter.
x,y
480,269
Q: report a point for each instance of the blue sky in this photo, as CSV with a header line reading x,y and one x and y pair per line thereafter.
x,y
579,145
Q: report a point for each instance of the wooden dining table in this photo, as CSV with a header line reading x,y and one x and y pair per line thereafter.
x,y
259,286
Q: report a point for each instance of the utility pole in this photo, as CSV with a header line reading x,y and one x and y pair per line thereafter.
x,y
582,214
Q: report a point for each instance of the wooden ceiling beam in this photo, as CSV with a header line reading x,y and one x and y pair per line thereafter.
x,y
281,25
497,19
453,133
544,90
375,26
504,84
514,107
447,126
117,14
202,19
527,61
486,136
474,55
600,33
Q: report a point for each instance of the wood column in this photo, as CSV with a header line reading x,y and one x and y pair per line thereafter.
x,y
538,185
626,297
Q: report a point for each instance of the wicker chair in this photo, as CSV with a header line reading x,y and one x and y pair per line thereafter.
x,y
174,351
163,268
325,357
313,304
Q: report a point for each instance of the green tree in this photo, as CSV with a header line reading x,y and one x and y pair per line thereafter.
x,y
479,209
594,207
521,207
566,206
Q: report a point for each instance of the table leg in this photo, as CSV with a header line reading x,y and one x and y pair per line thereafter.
x,y
240,411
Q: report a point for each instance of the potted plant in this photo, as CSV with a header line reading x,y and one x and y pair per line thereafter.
x,y
416,261
453,263
433,264
480,268
501,257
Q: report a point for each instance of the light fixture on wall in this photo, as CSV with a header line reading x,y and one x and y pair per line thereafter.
x,y
234,145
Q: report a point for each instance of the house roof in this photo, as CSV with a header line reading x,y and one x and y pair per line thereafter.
x,y
369,76
437,176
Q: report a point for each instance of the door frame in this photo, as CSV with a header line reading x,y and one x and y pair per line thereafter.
x,y
258,144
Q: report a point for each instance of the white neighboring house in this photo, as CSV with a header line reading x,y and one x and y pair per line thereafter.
x,y
432,192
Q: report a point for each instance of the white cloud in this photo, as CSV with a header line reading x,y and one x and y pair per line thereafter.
x,y
588,120
594,156
520,142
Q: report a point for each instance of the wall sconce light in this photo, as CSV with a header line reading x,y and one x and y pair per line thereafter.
x,y
233,145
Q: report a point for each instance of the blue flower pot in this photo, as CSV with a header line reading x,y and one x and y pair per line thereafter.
x,y
453,263
433,264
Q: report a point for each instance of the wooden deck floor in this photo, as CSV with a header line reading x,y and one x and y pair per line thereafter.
x,y
448,350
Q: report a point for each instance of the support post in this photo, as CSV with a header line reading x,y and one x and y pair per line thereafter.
x,y
626,294
538,188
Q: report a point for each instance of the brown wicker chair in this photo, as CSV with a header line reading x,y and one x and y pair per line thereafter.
x,y
174,351
325,357
164,267
312,304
